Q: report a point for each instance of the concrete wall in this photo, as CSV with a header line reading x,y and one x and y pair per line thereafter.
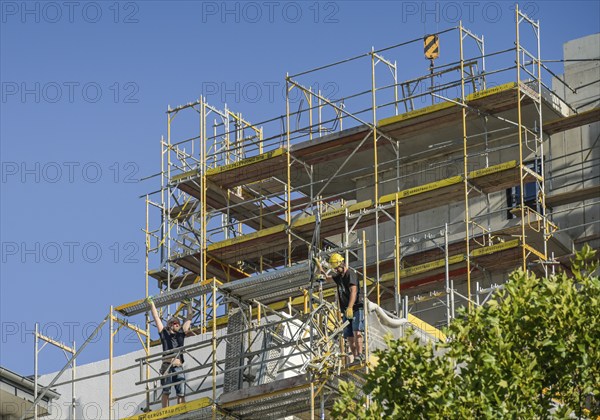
x,y
574,156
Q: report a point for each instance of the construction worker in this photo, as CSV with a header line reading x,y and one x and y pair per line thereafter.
x,y
172,337
350,297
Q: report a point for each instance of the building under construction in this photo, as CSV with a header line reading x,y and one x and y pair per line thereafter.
x,y
433,187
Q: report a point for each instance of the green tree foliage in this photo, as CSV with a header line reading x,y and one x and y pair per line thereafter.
x,y
531,352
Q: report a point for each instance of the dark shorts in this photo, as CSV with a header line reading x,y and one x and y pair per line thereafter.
x,y
176,378
356,324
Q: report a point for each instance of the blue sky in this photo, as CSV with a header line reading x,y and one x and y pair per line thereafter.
x,y
85,86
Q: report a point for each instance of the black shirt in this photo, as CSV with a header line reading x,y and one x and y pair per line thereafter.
x,y
343,282
172,341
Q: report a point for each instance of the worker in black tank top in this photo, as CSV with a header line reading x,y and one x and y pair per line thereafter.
x,y
172,338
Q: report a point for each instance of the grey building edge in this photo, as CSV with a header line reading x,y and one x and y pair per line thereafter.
x,y
16,396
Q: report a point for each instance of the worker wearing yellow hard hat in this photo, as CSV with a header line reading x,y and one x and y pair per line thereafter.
x,y
335,260
350,298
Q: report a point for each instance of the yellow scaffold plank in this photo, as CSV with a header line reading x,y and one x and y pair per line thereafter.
x,y
174,410
416,113
535,252
454,259
446,105
448,182
264,392
491,91
432,265
492,249
421,189
247,237
184,175
493,169
303,221
277,232
221,171
429,329
423,268
245,162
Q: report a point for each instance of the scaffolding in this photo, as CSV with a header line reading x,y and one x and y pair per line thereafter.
x,y
241,217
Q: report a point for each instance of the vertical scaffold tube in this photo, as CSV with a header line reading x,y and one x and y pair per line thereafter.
x,y
288,213
397,296
214,347
366,306
465,165
35,371
110,364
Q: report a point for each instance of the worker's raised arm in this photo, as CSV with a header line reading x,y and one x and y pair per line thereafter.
x,y
322,271
188,320
326,275
157,321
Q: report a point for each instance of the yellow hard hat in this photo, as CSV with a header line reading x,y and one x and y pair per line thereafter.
x,y
335,260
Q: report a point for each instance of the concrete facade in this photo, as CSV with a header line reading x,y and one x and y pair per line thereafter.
x,y
574,155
